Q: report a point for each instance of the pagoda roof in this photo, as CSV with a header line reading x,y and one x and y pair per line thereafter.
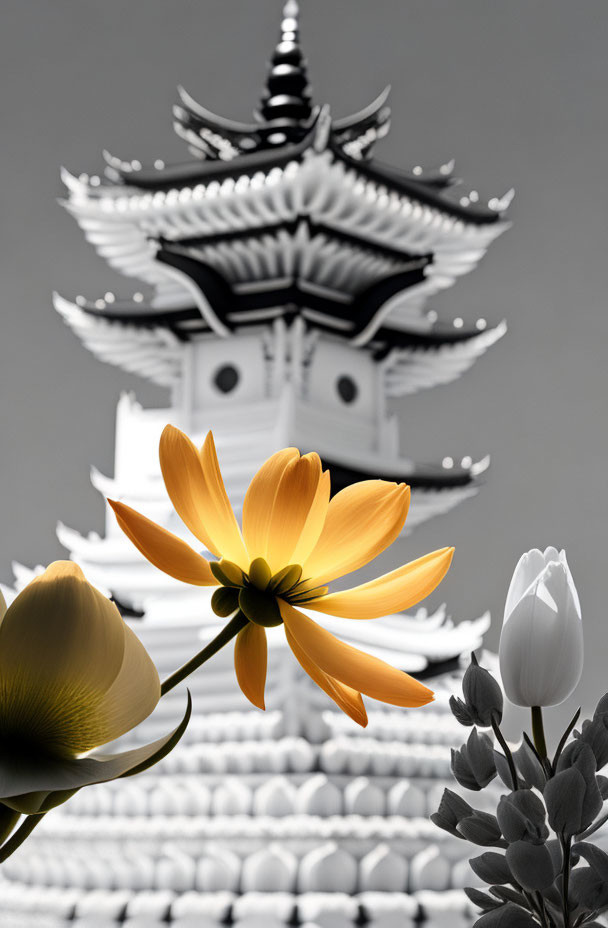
x,y
148,341
433,191
313,234
287,210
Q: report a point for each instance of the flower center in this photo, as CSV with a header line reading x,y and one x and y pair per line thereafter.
x,y
256,591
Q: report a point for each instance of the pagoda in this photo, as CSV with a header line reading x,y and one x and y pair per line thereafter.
x,y
283,278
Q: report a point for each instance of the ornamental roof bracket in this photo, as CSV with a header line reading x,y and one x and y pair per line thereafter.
x,y
322,129
356,135
374,304
199,280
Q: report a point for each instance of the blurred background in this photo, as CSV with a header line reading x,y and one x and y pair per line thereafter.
x,y
515,92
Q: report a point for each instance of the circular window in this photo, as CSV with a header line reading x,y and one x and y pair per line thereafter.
x,y
226,378
347,389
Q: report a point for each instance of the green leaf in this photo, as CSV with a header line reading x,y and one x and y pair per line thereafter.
x,y
564,795
227,573
225,601
593,828
531,865
595,857
564,737
508,894
588,889
491,867
483,900
507,916
521,816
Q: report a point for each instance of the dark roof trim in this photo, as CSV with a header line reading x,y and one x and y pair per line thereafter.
x,y
416,188
383,341
224,301
424,477
191,174
387,338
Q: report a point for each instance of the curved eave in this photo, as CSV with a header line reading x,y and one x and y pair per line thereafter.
x,y
422,477
151,351
435,337
417,361
143,317
368,114
193,173
222,124
426,192
416,188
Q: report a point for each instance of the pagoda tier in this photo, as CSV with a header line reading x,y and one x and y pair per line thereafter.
x,y
298,231
261,820
150,342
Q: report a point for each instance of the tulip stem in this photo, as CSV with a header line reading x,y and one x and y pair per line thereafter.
x,y
538,733
234,626
501,740
565,842
17,839
541,908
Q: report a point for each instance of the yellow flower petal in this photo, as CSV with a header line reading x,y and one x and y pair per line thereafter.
x,y
345,697
250,663
360,671
132,696
2,605
183,475
313,527
217,512
163,549
362,520
62,646
392,592
296,502
259,500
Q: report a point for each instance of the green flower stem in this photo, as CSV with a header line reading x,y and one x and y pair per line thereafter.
x,y
501,740
17,839
538,732
565,843
234,626
537,906
544,918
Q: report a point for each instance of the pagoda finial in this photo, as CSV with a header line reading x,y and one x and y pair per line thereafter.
x,y
291,9
286,100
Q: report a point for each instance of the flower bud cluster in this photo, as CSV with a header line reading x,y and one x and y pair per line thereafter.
x,y
482,697
540,868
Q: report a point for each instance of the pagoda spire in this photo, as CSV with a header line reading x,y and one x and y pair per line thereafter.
x,y
286,101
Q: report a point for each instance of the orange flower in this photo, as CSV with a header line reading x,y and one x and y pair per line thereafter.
x,y
294,541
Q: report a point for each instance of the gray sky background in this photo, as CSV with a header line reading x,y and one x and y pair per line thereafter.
x,y
514,91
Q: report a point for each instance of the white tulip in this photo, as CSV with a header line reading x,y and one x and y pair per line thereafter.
x,y
541,644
